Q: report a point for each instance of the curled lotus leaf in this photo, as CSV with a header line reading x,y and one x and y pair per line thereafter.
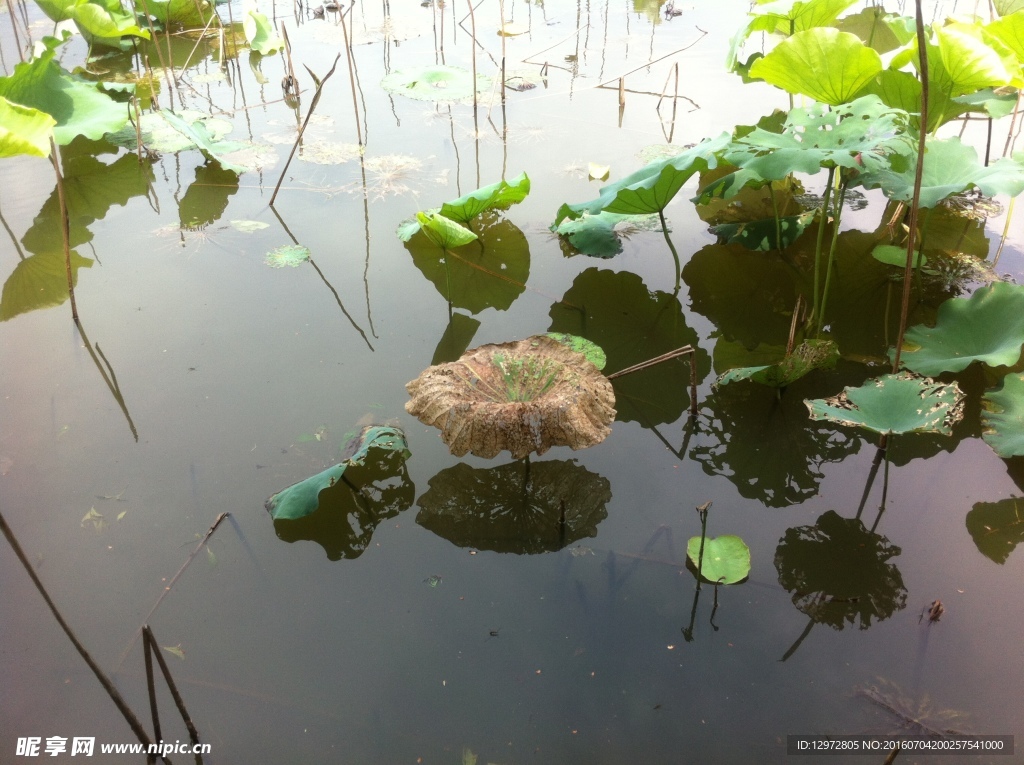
x,y
524,396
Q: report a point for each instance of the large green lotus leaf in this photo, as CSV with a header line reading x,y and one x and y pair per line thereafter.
x,y
875,28
260,33
24,130
764,445
39,281
489,273
805,358
900,403
997,527
1002,417
972,59
106,24
59,10
902,90
435,83
988,326
1009,30
521,508
303,498
79,107
824,64
197,133
949,168
726,558
188,13
785,17
653,186
1008,7
496,196
616,311
601,235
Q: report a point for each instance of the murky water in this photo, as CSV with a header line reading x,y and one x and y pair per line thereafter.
x,y
206,381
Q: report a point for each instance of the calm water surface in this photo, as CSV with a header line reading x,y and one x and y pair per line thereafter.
x,y
234,380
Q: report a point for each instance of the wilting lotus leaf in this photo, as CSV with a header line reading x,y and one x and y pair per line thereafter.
x,y
765,235
288,255
600,235
997,527
525,396
490,272
988,326
839,572
901,403
726,558
78,106
24,130
260,33
825,64
949,167
1002,417
595,355
632,324
805,358
435,83
522,508
650,188
303,498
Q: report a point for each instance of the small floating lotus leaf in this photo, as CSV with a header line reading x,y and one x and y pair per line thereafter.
x,y
289,255
901,403
805,358
988,326
594,353
248,226
434,83
825,64
1003,417
726,558
524,396
303,498
892,255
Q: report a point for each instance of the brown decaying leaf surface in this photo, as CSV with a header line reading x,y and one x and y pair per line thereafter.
x,y
466,399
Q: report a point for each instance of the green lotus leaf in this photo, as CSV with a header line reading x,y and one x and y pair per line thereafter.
x,y
877,29
1002,417
496,196
59,10
900,403
198,134
726,558
995,105
786,17
902,90
78,106
765,235
1008,7
652,187
24,130
824,64
1009,30
892,255
189,13
260,33
594,353
435,83
988,326
443,232
105,24
600,236
997,527
292,255
303,498
161,136
949,168
805,358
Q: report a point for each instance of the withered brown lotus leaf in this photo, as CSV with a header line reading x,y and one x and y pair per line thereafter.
x,y
525,396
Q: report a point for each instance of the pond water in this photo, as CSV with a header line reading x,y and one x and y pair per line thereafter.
x,y
203,381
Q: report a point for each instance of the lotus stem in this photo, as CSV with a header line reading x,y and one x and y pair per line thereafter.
x,y
672,247
831,256
702,511
472,24
686,349
918,172
17,38
351,75
65,227
1006,232
821,238
778,222
147,652
166,672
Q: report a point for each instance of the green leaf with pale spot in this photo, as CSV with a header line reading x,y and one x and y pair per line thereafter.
x,y
901,403
726,558
303,498
1002,417
24,130
78,106
988,326
593,352
949,168
824,64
